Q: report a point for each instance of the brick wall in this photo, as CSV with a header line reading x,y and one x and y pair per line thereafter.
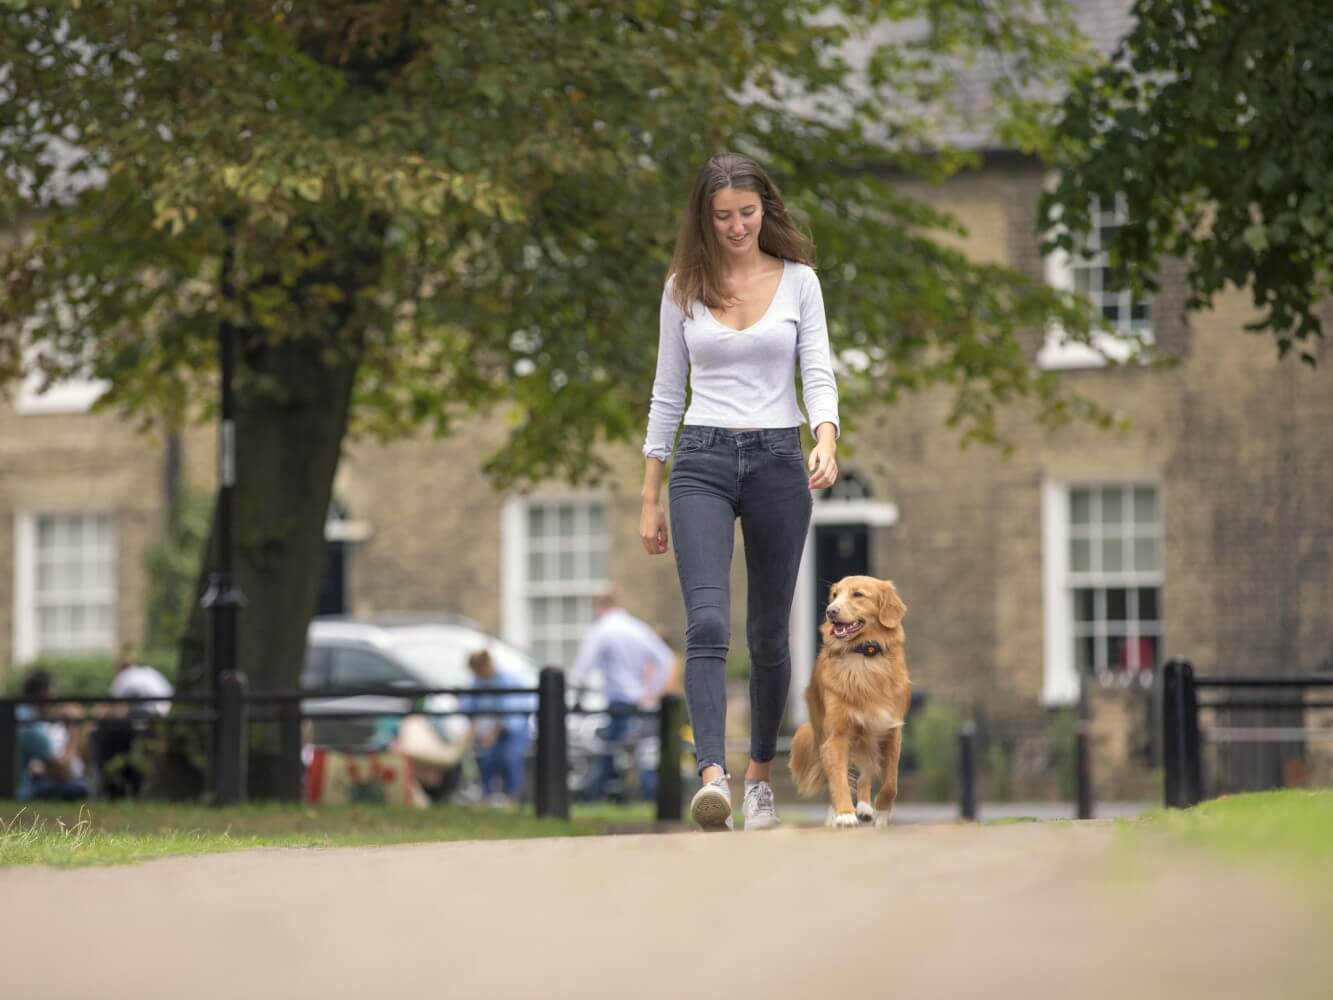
x,y
1237,442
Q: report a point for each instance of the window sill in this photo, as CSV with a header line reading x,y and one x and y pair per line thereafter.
x,y
64,398
1058,355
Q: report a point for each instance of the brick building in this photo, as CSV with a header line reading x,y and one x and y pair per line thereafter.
x,y
1205,530
81,499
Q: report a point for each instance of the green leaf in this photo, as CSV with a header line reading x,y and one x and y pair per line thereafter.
x,y
310,188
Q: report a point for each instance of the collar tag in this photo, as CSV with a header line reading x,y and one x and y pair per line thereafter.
x,y
868,648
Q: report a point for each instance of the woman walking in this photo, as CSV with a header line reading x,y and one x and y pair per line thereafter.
x,y
741,307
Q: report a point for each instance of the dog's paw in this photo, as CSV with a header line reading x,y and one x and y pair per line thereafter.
x,y
845,821
881,817
865,812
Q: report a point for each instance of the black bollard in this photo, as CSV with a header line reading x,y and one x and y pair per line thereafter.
x,y
229,779
1193,762
291,780
552,792
967,771
1082,770
1082,758
9,748
1182,769
670,789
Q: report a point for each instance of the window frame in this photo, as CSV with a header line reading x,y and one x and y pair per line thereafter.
x,y
518,590
1060,676
27,638
1058,354
66,396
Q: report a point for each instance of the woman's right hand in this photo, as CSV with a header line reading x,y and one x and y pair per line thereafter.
x,y
653,528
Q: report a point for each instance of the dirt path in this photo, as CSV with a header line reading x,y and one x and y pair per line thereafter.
x,y
1034,910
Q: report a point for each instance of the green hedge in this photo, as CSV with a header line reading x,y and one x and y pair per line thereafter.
x,y
88,674
931,738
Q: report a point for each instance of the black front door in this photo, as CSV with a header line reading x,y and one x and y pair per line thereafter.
x,y
333,580
840,550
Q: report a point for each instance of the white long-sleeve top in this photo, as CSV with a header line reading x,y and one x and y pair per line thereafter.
x,y
743,378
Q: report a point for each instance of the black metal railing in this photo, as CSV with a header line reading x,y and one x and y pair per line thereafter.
x,y
968,755
1182,757
237,708
240,708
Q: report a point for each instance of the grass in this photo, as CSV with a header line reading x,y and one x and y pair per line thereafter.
x,y
1291,829
76,834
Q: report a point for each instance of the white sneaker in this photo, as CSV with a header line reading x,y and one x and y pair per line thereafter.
x,y
711,806
758,808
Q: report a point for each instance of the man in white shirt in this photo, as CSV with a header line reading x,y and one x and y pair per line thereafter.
x,y
125,724
635,666
134,680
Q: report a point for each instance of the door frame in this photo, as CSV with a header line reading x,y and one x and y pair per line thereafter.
x,y
873,514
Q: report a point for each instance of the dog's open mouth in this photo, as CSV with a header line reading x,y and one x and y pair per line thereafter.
x,y
841,630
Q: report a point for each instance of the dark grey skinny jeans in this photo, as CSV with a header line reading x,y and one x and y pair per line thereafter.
x,y
717,476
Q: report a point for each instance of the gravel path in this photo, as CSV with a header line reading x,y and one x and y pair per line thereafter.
x,y
1031,910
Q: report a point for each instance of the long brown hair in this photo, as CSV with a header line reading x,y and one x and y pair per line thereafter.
x,y
696,266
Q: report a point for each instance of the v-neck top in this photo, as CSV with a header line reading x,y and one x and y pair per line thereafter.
x,y
743,378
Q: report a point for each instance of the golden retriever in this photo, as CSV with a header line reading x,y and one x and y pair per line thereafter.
x,y
858,700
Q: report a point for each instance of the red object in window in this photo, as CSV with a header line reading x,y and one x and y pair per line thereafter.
x,y
1147,653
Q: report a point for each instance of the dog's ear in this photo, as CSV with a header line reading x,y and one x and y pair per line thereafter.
x,y
891,606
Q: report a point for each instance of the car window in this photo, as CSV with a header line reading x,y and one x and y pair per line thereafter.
x,y
438,662
350,666
316,670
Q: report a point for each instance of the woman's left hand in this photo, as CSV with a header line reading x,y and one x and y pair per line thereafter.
x,y
823,464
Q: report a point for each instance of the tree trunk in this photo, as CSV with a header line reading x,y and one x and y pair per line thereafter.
x,y
288,441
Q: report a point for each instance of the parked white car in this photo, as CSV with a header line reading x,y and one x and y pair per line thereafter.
x,y
419,650
397,650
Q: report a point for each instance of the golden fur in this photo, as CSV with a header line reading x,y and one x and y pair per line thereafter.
x,y
857,703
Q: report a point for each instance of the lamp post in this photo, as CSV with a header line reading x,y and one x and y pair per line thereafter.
x,y
223,599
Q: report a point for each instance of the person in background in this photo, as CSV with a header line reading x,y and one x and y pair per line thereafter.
x,y
500,741
635,666
134,680
50,765
125,724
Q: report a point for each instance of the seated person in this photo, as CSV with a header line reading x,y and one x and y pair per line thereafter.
x,y
125,724
50,765
436,761
135,680
500,741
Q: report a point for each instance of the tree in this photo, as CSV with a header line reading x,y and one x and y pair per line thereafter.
x,y
414,212
1213,121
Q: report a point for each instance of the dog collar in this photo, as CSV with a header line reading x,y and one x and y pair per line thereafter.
x,y
868,648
